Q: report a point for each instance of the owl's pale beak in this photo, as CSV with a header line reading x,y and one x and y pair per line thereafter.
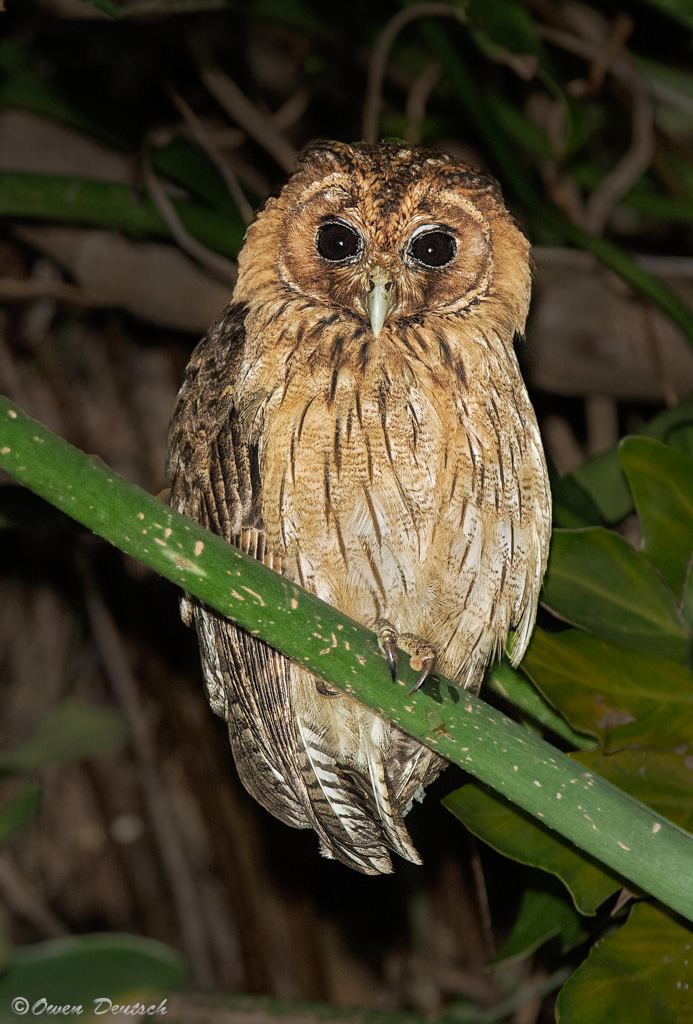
x,y
380,296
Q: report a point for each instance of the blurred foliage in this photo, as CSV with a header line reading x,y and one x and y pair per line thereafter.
x,y
558,100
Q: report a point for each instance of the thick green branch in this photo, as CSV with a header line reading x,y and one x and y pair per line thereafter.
x,y
644,848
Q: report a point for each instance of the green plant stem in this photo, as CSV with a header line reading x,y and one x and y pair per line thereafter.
x,y
650,852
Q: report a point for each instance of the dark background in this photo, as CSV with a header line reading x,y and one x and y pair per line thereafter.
x,y
585,114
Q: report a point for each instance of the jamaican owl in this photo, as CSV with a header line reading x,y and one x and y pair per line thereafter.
x,y
356,419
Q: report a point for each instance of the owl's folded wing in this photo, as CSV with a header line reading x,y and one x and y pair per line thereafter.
x,y
215,480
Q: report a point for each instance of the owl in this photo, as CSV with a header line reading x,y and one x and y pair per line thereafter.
x,y
356,419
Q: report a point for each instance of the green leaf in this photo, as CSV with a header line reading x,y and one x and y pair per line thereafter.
x,y
514,687
597,581
604,481
661,480
643,973
76,971
188,166
602,689
543,914
519,127
602,477
516,835
18,809
70,731
687,602
504,25
70,200
572,505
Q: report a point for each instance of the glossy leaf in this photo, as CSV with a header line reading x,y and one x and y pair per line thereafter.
x,y
602,477
661,480
77,971
516,835
523,696
544,913
601,688
572,505
641,972
597,581
69,731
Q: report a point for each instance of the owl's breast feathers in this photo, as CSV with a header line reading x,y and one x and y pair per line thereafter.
x,y
402,477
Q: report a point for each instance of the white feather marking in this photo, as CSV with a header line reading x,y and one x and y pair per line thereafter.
x,y
314,755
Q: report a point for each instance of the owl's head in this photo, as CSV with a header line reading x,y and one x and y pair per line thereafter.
x,y
386,233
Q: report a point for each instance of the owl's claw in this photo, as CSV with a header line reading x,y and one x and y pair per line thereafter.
x,y
387,641
422,657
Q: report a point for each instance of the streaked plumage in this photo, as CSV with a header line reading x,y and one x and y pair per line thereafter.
x,y
395,472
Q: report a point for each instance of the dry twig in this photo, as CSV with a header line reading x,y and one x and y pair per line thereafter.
x,y
421,89
632,164
619,68
13,289
240,109
20,896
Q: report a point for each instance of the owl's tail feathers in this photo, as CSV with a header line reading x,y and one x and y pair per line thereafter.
x,y
357,818
345,826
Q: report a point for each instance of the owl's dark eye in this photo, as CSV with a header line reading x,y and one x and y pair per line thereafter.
x,y
337,242
433,248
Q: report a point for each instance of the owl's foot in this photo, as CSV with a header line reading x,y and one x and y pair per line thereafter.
x,y
422,657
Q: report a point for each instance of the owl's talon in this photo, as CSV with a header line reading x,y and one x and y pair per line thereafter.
x,y
387,641
428,665
422,657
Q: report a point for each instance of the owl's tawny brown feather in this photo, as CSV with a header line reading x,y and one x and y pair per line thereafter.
x,y
396,474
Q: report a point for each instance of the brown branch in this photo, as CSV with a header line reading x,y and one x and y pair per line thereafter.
x,y
415,111
618,32
381,52
632,164
292,109
619,68
562,444
23,899
14,289
240,109
485,919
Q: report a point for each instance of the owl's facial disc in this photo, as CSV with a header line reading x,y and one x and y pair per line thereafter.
x,y
383,249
